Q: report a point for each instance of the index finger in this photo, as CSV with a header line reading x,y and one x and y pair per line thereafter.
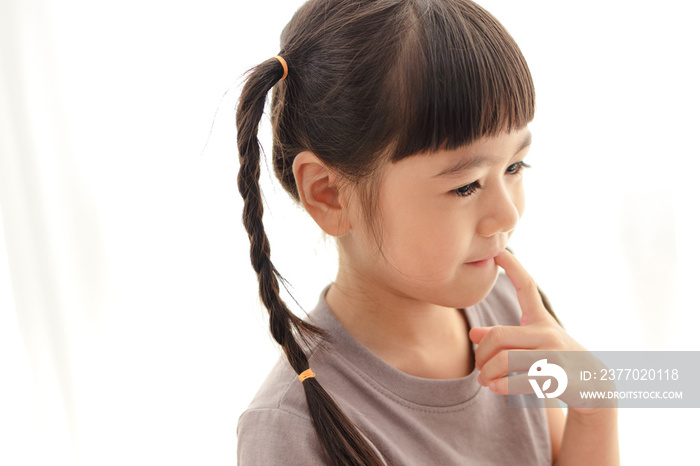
x,y
528,294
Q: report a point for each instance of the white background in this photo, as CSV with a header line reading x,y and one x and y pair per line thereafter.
x,y
130,328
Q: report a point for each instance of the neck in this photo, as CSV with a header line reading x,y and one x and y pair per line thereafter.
x,y
416,337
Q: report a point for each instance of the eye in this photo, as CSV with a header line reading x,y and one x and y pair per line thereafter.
x,y
467,190
516,168
471,188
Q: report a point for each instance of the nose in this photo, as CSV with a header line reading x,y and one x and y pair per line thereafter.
x,y
500,213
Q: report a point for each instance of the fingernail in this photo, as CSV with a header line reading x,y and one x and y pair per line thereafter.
x,y
492,385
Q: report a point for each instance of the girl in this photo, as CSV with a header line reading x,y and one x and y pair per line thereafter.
x,y
401,127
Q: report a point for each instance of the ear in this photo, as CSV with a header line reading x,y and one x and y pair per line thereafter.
x,y
319,194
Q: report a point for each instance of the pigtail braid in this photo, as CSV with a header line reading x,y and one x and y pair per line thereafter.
x,y
340,438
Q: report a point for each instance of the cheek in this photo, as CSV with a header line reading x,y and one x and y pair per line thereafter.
x,y
425,241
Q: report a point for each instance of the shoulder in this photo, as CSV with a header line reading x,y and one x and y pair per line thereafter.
x,y
276,436
500,307
277,428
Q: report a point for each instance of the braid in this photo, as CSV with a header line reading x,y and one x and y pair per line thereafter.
x,y
343,443
283,323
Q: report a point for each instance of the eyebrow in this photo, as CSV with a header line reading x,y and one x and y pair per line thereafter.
x,y
468,163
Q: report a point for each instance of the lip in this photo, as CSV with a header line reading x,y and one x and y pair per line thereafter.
x,y
486,259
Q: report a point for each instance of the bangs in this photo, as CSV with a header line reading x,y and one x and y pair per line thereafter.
x,y
459,76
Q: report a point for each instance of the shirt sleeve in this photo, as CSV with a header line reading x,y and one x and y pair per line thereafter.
x,y
274,436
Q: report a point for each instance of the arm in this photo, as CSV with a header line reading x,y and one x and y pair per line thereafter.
x,y
590,438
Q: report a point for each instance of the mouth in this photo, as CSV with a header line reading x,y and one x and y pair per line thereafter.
x,y
486,260
480,263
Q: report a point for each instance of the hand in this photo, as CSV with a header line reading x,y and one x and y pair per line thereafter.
x,y
538,331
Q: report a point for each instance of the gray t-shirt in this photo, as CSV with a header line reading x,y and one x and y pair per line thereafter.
x,y
409,420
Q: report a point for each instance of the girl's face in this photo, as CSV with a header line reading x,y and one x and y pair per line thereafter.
x,y
443,217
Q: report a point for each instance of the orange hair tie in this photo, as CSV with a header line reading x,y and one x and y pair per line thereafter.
x,y
307,374
284,65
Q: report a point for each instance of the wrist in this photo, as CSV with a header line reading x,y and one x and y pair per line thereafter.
x,y
592,416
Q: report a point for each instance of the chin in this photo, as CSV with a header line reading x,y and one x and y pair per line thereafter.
x,y
462,291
